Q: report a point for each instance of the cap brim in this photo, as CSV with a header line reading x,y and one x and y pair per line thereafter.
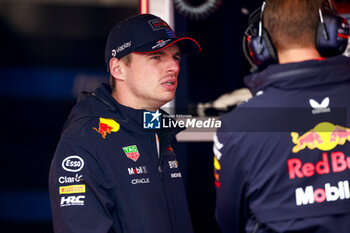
x,y
186,45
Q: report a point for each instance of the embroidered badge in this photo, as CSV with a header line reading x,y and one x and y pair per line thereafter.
x,y
107,126
158,24
170,149
131,152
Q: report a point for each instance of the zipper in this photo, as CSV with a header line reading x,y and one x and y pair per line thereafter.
x,y
256,227
160,157
160,163
160,172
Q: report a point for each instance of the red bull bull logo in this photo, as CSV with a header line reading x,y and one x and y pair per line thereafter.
x,y
107,126
340,135
324,136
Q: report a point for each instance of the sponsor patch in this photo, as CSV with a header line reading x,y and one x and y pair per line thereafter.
x,y
217,147
70,179
217,167
72,189
170,149
158,24
141,181
132,152
176,175
72,201
329,193
73,163
107,126
173,164
160,43
137,170
322,107
122,47
333,162
324,136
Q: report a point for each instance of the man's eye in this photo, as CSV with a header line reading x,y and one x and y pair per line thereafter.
x,y
176,58
155,57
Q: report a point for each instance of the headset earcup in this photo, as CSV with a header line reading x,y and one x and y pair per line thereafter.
x,y
337,29
269,46
264,53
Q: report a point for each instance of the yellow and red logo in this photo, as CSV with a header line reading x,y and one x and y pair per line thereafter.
x,y
107,126
324,136
217,167
169,148
72,189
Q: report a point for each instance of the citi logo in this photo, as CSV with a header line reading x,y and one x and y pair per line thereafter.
x,y
322,107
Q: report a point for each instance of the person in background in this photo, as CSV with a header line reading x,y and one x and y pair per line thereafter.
x,y
282,158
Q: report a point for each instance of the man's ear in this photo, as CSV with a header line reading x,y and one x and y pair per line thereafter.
x,y
115,69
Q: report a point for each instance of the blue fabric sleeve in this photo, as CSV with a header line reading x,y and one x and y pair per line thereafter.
x,y
79,195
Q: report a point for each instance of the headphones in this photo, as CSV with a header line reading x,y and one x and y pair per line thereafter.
x,y
331,38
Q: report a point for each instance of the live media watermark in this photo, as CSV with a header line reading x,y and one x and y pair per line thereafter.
x,y
159,120
251,120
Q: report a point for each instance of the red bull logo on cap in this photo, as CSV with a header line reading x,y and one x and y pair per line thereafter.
x,y
107,126
324,136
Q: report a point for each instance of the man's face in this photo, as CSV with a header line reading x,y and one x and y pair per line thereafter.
x,y
151,78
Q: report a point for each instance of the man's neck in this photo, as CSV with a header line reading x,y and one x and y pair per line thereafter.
x,y
298,55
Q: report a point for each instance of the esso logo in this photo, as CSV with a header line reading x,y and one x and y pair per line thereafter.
x,y
73,163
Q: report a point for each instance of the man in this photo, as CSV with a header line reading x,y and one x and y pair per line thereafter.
x,y
109,174
282,158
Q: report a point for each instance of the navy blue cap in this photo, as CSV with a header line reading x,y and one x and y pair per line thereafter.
x,y
145,33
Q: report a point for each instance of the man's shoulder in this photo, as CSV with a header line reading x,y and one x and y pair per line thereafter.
x,y
244,116
80,127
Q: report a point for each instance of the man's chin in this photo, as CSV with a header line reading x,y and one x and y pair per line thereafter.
x,y
166,100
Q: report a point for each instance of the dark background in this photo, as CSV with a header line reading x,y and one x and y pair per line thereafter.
x,y
48,52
